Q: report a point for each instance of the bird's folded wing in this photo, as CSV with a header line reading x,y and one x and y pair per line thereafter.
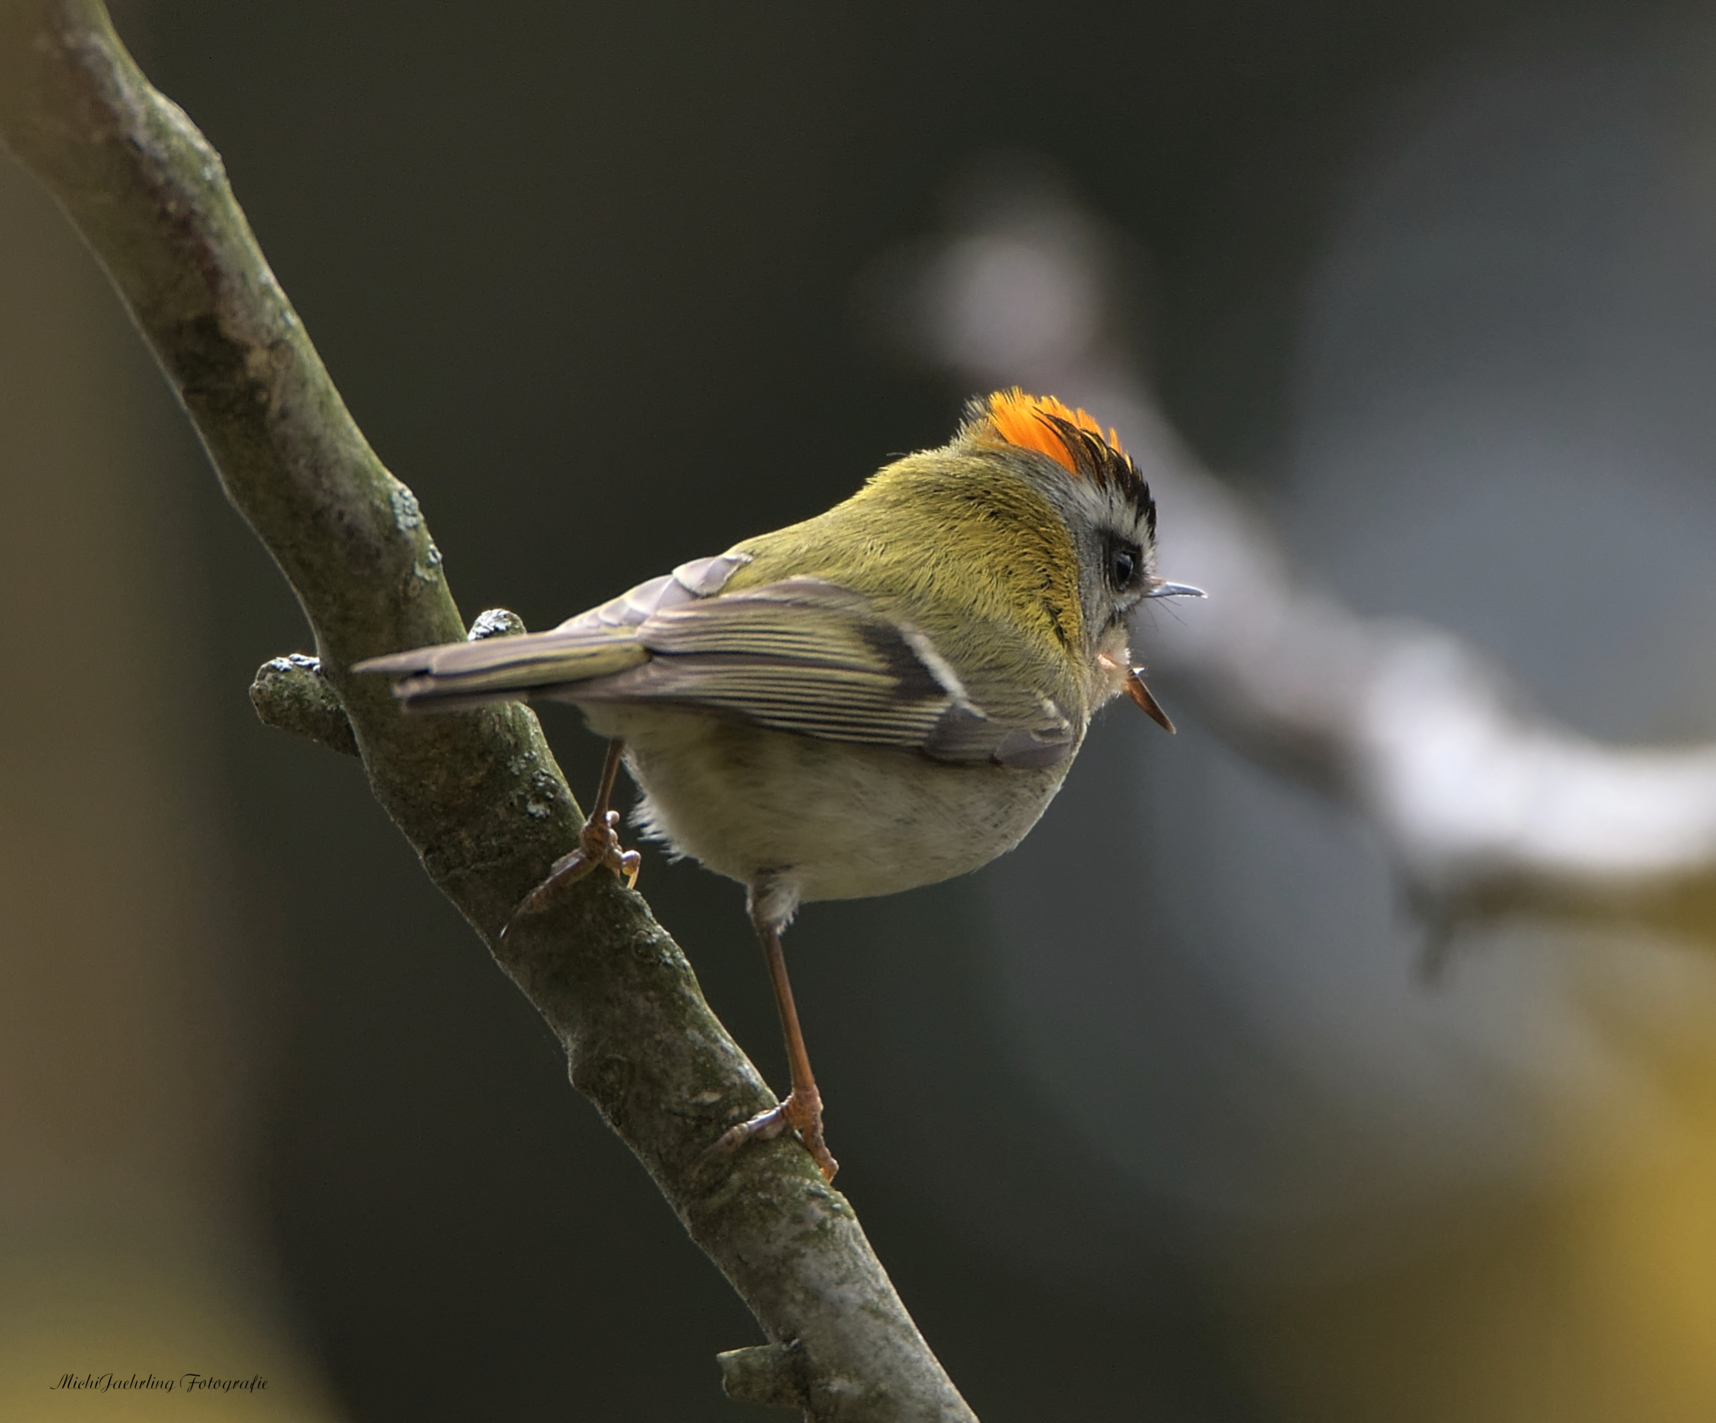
x,y
801,655
814,659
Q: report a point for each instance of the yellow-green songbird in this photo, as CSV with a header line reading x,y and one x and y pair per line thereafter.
x,y
881,697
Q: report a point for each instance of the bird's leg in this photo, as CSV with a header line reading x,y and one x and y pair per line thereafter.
x,y
598,844
801,1109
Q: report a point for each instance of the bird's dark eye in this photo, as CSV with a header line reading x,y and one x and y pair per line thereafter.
x,y
1123,559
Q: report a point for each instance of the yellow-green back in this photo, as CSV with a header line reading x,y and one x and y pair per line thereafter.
x,y
959,546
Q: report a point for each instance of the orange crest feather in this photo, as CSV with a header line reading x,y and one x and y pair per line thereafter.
x,y
1018,419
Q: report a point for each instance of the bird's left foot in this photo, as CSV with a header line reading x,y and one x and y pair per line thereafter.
x,y
800,1112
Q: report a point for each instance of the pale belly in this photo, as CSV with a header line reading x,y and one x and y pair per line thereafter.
x,y
820,819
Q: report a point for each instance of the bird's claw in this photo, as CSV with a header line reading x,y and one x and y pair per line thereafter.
x,y
799,1112
598,844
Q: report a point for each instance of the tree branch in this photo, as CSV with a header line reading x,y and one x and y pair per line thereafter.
x,y
479,795
291,693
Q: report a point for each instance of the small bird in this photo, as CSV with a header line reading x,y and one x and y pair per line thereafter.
x,y
881,697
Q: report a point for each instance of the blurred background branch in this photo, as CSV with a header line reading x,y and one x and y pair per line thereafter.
x,y
1486,803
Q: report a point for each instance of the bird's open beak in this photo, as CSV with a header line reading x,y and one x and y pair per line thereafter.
x,y
1134,683
1139,693
1134,687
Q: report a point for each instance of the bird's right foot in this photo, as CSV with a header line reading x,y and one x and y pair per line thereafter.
x,y
799,1112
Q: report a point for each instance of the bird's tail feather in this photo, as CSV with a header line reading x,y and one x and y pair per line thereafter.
x,y
457,675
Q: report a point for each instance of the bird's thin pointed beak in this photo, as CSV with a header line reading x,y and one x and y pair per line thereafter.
x,y
1140,694
1176,590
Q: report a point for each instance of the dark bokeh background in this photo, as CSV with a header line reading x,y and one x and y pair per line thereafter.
x,y
585,276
